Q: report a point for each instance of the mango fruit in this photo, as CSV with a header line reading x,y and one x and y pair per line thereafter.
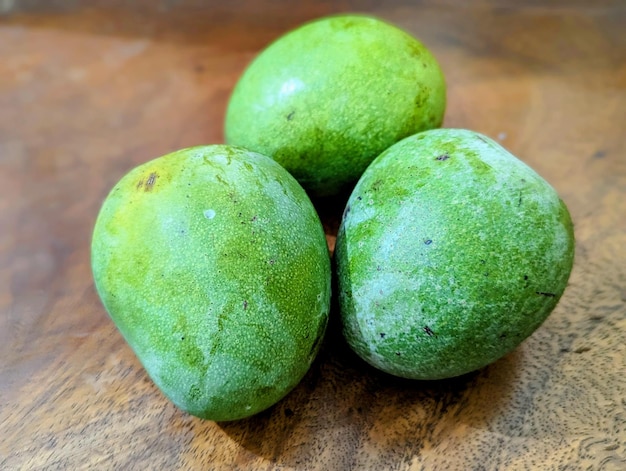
x,y
326,98
213,264
450,253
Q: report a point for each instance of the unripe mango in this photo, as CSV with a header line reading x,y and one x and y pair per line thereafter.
x,y
213,264
451,252
326,98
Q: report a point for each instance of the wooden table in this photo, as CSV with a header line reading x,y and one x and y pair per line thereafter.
x,y
89,91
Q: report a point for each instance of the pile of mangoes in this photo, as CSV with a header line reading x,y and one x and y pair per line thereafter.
x,y
213,263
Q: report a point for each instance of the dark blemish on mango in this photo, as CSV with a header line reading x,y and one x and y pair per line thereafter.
x,y
428,331
150,182
290,116
382,335
415,49
346,211
398,353
544,293
428,241
245,304
599,154
359,198
288,412
420,99
442,157
582,349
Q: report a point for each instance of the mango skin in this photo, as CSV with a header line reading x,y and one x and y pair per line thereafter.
x,y
325,99
450,253
213,264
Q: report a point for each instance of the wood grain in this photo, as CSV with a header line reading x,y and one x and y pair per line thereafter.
x,y
87,92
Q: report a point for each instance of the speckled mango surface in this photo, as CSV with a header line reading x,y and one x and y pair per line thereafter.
x,y
214,266
326,98
451,252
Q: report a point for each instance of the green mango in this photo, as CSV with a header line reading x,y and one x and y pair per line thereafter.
x,y
213,264
326,98
450,253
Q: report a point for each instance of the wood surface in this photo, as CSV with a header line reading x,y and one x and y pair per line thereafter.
x,y
90,89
